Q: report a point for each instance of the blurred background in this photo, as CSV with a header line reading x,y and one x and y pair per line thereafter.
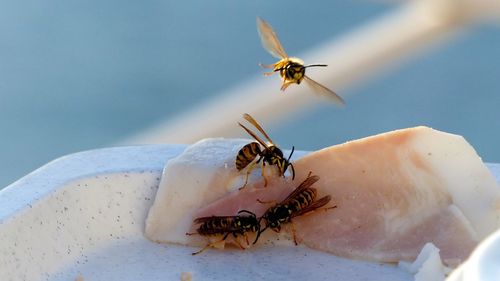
x,y
79,75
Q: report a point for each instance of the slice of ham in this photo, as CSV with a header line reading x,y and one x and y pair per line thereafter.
x,y
394,193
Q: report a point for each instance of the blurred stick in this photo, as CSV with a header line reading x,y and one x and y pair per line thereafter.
x,y
363,52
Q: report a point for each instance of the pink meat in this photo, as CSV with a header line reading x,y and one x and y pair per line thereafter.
x,y
391,199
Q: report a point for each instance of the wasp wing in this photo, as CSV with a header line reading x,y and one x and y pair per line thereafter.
x,y
320,89
315,205
253,135
305,184
205,219
252,121
269,39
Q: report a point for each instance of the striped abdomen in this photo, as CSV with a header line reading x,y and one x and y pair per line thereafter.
x,y
227,224
217,225
247,154
301,200
285,211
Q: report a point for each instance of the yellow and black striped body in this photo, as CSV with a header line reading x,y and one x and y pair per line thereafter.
x,y
291,70
271,155
247,154
299,202
268,153
286,210
226,225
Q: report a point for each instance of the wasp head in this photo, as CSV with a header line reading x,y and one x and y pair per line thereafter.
x,y
274,156
248,223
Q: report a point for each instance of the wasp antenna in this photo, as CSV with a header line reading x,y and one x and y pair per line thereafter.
x,y
290,164
246,211
258,234
315,65
293,171
259,231
290,156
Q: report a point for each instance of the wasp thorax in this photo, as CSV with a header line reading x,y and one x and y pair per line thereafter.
x,y
273,152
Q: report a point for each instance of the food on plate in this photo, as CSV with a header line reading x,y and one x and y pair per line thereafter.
x,y
292,70
394,193
269,154
238,226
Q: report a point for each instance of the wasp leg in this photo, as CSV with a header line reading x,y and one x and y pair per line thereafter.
x,y
249,171
241,233
211,244
263,174
194,233
237,241
326,209
286,84
203,249
208,246
246,239
239,244
277,229
294,233
322,209
266,202
266,65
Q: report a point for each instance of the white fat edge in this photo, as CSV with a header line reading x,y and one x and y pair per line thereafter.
x,y
187,185
471,185
427,266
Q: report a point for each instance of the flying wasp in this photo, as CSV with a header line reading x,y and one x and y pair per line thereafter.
x,y
226,225
270,154
300,202
291,69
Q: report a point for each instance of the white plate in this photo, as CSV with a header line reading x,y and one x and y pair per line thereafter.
x,y
84,214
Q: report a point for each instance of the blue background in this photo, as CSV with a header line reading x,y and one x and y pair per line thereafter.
x,y
78,75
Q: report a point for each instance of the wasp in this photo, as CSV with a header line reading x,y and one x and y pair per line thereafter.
x,y
292,70
226,225
300,202
269,154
